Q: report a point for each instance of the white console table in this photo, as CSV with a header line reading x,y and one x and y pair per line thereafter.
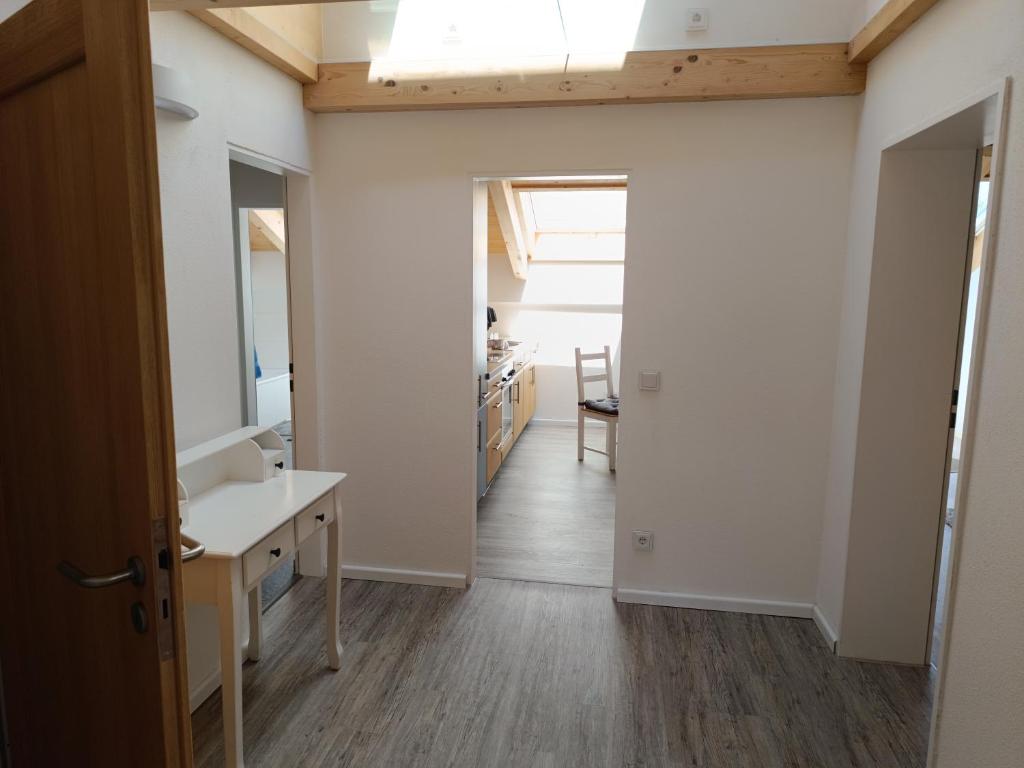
x,y
236,498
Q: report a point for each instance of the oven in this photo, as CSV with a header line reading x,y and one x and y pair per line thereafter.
x,y
507,405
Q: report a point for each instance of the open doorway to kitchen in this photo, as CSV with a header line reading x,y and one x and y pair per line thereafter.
x,y
260,227
551,286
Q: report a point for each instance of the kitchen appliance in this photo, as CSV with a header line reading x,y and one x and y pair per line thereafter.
x,y
507,405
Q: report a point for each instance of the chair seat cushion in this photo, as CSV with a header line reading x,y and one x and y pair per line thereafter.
x,y
609,405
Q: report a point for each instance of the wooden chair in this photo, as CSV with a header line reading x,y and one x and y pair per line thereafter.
x,y
606,409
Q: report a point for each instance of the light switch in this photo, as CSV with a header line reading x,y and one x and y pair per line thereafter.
x,y
650,380
696,19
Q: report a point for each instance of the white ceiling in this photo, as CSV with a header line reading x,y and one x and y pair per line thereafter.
x,y
417,30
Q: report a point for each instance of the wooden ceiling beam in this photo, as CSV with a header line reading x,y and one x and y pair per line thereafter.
x,y
249,30
579,185
891,21
266,230
511,225
767,72
197,5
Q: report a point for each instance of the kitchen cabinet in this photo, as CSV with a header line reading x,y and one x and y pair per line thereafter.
x,y
524,405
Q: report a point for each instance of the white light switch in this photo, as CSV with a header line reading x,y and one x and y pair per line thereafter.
x,y
696,19
650,380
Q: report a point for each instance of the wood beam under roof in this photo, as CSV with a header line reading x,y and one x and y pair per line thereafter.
x,y
766,72
891,21
273,34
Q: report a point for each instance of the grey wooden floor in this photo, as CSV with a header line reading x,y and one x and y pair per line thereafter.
x,y
547,517
513,673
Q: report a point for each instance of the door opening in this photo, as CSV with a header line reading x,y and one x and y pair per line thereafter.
x,y
261,249
551,284
965,348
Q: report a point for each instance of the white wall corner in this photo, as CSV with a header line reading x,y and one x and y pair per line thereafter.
x,y
827,632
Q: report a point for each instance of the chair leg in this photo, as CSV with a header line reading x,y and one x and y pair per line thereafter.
x,y
611,438
579,437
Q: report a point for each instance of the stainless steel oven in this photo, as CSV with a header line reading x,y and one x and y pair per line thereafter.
x,y
507,405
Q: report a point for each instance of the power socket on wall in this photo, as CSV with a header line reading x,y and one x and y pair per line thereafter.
x,y
643,541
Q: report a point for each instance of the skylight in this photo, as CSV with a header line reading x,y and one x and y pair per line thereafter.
x,y
577,225
436,38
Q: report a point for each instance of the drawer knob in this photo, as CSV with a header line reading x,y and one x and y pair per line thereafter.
x,y
320,517
279,465
276,551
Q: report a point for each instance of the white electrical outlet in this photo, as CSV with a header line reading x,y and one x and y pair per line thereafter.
x,y
696,19
643,541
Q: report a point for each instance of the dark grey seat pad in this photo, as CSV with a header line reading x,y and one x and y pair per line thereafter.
x,y
609,405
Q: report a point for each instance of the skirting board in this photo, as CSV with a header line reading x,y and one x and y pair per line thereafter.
x,y
430,578
830,635
714,603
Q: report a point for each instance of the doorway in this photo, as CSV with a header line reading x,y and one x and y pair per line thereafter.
x,y
924,335
965,349
551,282
258,198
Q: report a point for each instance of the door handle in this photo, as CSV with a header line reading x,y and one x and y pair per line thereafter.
x,y
195,550
135,572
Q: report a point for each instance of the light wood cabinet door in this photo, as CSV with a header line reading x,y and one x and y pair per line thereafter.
x,y
493,457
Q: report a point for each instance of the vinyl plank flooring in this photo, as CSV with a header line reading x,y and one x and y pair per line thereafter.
x,y
513,673
548,517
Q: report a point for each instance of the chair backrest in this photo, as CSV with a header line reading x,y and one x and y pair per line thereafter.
x,y
582,380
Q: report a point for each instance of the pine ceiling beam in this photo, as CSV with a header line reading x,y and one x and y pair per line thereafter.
x,y
266,33
891,21
195,5
511,226
767,72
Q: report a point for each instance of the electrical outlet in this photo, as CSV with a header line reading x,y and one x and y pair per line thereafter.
x,y
696,19
643,541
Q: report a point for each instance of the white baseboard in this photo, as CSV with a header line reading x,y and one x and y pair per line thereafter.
x,y
401,576
830,635
555,422
715,603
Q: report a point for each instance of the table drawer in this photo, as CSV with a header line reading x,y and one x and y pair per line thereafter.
x,y
268,553
316,516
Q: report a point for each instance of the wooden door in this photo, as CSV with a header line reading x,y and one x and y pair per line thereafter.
x,y
90,676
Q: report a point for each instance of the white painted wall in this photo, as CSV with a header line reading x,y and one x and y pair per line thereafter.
x,y
911,81
241,101
245,102
737,215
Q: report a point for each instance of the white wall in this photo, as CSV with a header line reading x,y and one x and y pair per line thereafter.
x,y
737,215
245,102
910,82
